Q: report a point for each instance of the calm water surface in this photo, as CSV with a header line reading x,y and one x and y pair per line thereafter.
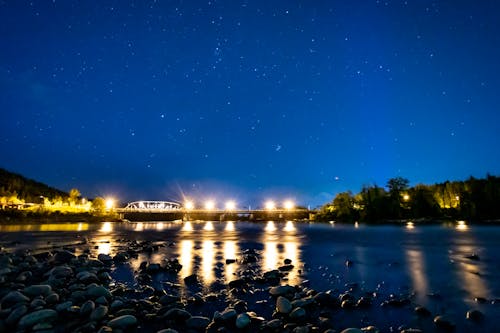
x,y
427,262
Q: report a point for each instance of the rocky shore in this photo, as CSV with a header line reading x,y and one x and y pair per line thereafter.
x,y
59,291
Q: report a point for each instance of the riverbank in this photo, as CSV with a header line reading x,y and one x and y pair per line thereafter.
x,y
33,217
62,291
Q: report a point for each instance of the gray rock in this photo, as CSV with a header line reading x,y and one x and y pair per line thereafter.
x,y
104,258
243,320
352,330
38,290
37,302
298,314
116,305
13,298
167,330
283,305
122,322
40,316
282,290
87,277
99,313
474,315
63,306
301,329
52,298
87,308
176,314
370,329
228,315
444,322
411,330
95,291
197,322
274,324
16,314
61,272
63,257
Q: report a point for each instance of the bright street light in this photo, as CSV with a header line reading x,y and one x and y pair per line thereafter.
x,y
189,205
270,205
289,205
230,205
110,203
210,205
406,197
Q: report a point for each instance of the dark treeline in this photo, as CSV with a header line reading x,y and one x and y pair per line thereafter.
x,y
473,199
14,185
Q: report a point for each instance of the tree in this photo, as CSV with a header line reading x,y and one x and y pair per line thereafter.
x,y
396,188
99,205
343,206
74,194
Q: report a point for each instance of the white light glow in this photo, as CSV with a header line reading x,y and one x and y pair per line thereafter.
x,y
110,203
270,205
289,205
230,205
210,205
189,205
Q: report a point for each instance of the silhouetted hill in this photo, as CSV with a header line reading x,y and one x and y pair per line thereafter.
x,y
26,189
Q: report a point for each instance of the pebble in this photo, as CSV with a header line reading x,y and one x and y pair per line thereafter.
x,y
283,305
298,314
281,290
40,316
197,322
352,330
122,322
99,313
444,322
13,298
242,321
474,315
37,290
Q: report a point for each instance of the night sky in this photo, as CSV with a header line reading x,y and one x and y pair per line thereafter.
x,y
248,100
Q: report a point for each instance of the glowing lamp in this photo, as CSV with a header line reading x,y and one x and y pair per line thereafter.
x,y
270,205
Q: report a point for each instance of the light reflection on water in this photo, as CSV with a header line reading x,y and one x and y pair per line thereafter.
x,y
415,262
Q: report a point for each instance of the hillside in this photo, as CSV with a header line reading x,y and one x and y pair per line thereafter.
x,y
26,189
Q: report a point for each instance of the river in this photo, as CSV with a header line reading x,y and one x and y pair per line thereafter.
x,y
432,265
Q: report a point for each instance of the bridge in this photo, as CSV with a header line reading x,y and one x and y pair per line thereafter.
x,y
168,211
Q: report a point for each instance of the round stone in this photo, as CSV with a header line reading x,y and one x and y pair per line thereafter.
x,y
243,320
283,305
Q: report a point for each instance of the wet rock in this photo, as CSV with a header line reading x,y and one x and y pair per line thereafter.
x,y
370,329
474,315
123,322
364,302
58,272
349,263
480,300
169,299
282,290
288,261
40,316
274,324
37,303
87,308
87,277
167,330
283,305
444,322
105,329
63,306
352,330
99,313
191,279
121,257
104,258
63,257
230,261
197,322
16,314
298,314
301,329
240,306
228,315
422,311
52,298
473,256
94,291
285,268
242,321
177,314
411,330
13,298
239,283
